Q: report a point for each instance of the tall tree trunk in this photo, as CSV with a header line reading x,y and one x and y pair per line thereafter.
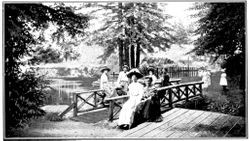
x,y
138,55
120,50
126,53
120,40
132,56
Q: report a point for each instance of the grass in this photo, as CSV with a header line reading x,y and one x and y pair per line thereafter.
x,y
231,102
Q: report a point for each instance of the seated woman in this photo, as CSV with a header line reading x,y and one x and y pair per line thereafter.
x,y
135,91
149,109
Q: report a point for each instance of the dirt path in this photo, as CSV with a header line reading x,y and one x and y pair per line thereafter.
x,y
69,128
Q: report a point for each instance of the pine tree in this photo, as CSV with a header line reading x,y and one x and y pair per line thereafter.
x,y
133,28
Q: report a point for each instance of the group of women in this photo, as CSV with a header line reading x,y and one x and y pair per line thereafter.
x,y
143,103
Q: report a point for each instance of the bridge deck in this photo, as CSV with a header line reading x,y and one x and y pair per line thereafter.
x,y
185,123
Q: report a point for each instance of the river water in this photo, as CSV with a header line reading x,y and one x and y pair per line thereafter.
x,y
61,91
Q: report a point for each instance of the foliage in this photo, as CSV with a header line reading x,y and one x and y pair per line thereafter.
x,y
222,34
47,55
157,61
23,91
181,34
132,26
229,106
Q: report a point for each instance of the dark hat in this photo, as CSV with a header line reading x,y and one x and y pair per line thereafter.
x,y
149,77
119,87
134,72
125,66
105,68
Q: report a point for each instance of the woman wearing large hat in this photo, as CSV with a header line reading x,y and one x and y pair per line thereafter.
x,y
135,91
123,78
104,79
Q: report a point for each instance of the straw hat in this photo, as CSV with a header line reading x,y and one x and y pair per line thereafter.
x,y
105,68
136,72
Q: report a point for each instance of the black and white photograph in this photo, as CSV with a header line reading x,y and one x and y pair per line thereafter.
x,y
124,70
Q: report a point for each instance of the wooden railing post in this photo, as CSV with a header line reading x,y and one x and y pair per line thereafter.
x,y
111,108
200,87
95,93
194,86
75,105
186,93
170,98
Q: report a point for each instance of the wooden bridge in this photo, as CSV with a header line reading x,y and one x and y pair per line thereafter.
x,y
185,123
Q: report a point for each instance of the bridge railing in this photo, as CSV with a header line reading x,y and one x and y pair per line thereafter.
x,y
84,102
169,95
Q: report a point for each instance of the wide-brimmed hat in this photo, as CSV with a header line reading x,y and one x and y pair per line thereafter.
x,y
105,68
125,66
134,72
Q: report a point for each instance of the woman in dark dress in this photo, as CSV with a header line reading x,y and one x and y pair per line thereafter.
x,y
149,109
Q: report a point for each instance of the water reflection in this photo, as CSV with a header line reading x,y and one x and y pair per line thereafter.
x,y
61,91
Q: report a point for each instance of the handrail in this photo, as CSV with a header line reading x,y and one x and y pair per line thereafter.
x,y
179,85
90,91
117,98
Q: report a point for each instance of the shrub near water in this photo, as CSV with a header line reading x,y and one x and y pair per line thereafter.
x,y
24,100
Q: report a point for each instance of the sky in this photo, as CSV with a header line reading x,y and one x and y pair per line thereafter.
x,y
180,12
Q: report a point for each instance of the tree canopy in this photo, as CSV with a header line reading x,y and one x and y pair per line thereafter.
x,y
222,34
132,28
23,90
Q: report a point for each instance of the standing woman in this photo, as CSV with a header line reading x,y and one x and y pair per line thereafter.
x,y
223,80
123,78
165,78
152,75
104,82
135,91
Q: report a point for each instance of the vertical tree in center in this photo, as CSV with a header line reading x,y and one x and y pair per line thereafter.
x,y
132,28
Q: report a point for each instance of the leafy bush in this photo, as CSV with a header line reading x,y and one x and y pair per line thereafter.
x,y
229,106
24,97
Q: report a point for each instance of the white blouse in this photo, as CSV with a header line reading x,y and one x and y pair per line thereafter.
x,y
122,77
103,81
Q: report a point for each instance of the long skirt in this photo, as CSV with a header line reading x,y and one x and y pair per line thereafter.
x,y
148,110
127,112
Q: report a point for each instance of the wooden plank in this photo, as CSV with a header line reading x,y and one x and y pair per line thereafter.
x,y
111,108
84,92
239,130
227,126
67,110
186,124
167,128
213,127
208,126
157,127
117,98
144,125
192,124
193,131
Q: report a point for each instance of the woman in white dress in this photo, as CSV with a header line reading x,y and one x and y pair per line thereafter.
x,y
206,78
223,80
151,74
104,85
123,78
135,91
